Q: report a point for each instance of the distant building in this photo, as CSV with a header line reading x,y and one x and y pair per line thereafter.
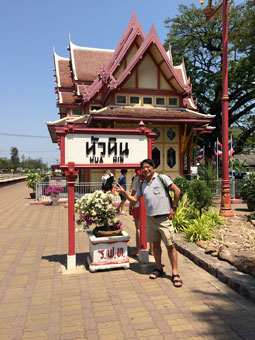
x,y
119,88
249,161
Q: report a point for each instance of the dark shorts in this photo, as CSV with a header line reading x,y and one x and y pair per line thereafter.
x,y
123,198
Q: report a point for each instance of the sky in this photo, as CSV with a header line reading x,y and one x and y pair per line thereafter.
x,y
30,29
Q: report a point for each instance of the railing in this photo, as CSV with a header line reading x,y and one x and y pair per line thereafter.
x,y
235,185
80,189
83,188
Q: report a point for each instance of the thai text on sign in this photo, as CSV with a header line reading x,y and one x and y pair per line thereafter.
x,y
99,149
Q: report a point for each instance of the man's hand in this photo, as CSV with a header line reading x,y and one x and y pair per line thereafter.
x,y
172,213
119,189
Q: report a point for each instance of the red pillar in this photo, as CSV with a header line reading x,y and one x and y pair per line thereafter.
x,y
225,209
71,173
71,217
143,242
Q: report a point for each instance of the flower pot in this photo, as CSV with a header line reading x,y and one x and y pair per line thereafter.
x,y
54,200
32,195
251,205
108,252
104,233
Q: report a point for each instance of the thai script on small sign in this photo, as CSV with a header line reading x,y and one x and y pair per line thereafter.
x,y
96,150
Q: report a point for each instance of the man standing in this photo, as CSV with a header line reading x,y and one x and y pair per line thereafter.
x,y
107,180
159,215
122,181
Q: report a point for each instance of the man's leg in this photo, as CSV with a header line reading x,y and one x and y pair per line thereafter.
x,y
151,248
173,257
137,234
172,254
157,254
158,271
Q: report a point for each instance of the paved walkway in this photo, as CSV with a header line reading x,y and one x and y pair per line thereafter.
x,y
39,299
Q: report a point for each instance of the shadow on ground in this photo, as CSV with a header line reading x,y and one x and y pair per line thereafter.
x,y
81,259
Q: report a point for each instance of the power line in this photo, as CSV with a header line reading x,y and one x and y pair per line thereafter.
x,y
31,151
19,135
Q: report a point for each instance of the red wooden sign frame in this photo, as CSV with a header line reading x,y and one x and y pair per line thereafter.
x,y
61,133
71,171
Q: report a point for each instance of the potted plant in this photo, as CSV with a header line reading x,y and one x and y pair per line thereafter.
x,y
31,182
247,191
32,178
107,241
53,191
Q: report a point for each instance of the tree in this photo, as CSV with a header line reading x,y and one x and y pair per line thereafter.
x,y
199,42
3,163
14,157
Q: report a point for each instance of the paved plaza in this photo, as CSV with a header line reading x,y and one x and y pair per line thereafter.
x,y
40,299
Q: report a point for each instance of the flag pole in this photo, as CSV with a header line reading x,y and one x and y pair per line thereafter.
x,y
231,156
217,160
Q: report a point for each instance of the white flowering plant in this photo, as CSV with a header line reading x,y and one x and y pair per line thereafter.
x,y
97,208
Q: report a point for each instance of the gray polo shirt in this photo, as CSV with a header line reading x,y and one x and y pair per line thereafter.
x,y
155,197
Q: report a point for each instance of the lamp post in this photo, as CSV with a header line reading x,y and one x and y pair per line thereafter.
x,y
225,209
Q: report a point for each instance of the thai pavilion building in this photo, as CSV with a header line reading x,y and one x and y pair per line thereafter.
x,y
120,88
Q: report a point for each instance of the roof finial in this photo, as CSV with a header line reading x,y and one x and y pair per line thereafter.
x,y
170,53
69,35
133,15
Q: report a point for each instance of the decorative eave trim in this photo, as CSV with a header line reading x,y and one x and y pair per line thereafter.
x,y
183,71
169,53
71,47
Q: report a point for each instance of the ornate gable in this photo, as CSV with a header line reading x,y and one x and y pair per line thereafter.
x,y
138,66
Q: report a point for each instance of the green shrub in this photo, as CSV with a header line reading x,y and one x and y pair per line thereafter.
x,y
214,218
247,191
181,218
183,184
199,229
200,195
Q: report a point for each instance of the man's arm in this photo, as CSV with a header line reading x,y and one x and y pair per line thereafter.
x,y
176,192
132,198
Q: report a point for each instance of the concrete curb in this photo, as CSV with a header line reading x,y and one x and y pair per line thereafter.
x,y
242,283
46,203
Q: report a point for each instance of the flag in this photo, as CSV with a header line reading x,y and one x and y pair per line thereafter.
x,y
219,148
230,148
200,154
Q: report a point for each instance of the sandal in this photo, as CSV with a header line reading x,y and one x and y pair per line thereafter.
x,y
156,273
177,283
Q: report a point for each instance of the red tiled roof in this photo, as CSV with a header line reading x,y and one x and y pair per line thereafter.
x,y
65,78
87,62
154,114
67,97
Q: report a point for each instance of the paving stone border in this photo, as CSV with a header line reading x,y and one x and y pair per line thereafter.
x,y
242,283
